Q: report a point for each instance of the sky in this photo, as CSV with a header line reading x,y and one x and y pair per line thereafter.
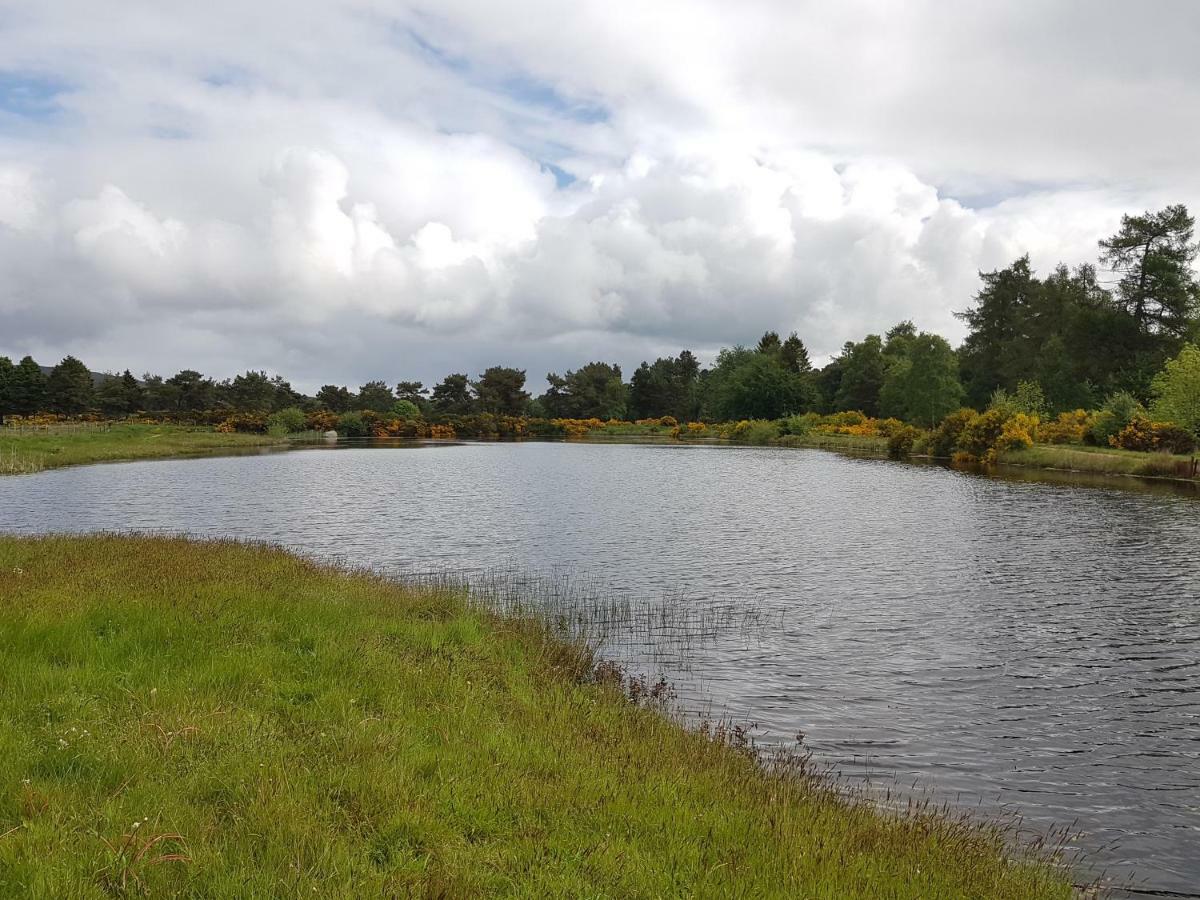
x,y
340,192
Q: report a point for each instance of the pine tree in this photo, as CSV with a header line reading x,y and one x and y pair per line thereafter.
x,y
69,388
28,388
1153,253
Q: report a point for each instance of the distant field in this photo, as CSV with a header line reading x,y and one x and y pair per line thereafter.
x,y
223,720
70,445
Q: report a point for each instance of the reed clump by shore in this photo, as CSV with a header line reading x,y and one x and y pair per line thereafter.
x,y
1104,461
228,720
71,444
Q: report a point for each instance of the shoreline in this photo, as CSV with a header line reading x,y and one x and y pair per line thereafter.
x,y
274,723
133,443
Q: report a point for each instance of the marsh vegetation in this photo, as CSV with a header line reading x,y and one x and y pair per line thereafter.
x,y
227,720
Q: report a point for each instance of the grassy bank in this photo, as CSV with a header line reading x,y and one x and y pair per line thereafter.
x,y
221,720
847,443
32,451
1101,461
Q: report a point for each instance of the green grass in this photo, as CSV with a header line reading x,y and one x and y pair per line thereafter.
x,y
224,720
31,451
844,442
1100,460
632,429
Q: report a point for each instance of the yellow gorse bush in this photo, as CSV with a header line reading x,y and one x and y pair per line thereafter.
x,y
1018,433
1068,428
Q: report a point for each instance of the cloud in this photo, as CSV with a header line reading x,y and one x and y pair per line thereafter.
x,y
436,187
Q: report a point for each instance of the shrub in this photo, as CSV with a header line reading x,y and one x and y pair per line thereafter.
x,y
901,440
1068,428
1117,412
1172,438
753,431
980,435
406,409
888,427
1146,436
1017,433
321,420
799,425
253,423
850,417
944,440
1028,398
286,421
1137,435
352,424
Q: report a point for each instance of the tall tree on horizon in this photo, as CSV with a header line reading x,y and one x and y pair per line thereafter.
x,y
862,368
452,397
376,396
7,400
769,343
794,355
69,388
1153,253
921,384
28,387
501,390
998,349
335,398
119,395
190,391
595,390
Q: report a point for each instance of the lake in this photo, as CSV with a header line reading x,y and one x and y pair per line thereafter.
x,y
1011,646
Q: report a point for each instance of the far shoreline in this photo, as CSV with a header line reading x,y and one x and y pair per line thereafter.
x,y
33,452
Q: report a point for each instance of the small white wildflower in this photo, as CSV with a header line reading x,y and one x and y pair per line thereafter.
x,y
136,824
18,571
63,743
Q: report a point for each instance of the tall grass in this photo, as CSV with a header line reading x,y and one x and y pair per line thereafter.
x,y
24,462
665,629
224,720
1103,460
845,443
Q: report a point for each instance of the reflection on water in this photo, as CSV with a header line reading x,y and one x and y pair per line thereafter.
x,y
1018,644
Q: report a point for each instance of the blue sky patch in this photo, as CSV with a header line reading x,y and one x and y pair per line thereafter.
x,y
562,178
30,96
228,76
521,87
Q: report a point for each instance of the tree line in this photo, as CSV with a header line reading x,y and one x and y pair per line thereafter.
x,y
1079,339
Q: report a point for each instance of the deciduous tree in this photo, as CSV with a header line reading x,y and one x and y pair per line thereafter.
x,y
1177,390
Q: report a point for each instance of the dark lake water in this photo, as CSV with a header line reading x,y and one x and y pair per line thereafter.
x,y
1020,646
